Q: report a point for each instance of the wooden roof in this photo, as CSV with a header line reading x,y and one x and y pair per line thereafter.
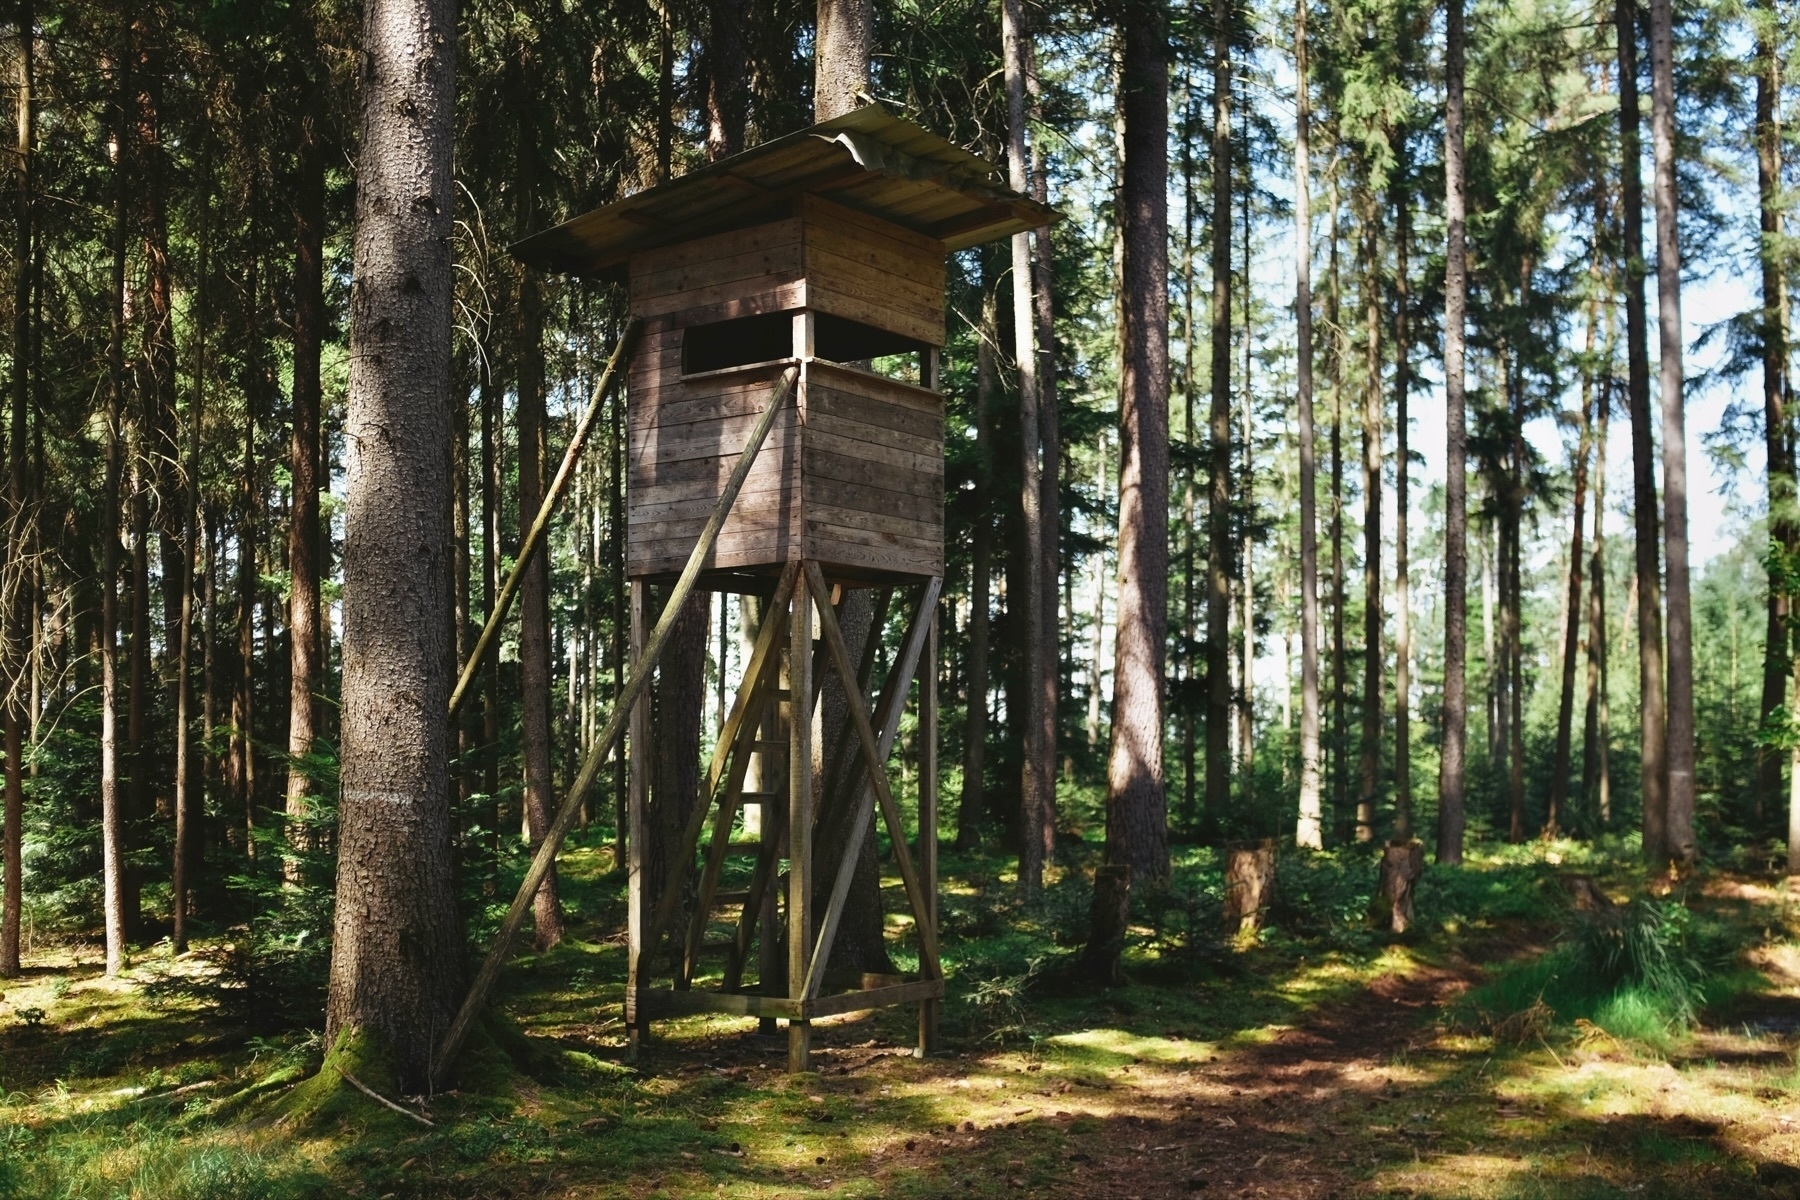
x,y
865,159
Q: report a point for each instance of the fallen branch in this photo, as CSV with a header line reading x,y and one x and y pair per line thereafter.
x,y
378,1098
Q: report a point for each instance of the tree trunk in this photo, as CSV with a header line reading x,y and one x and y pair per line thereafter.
x,y
1310,831
1778,431
1679,832
535,679
16,648
1340,688
1565,707
1369,769
727,85
1653,767
1403,805
303,466
1596,769
1249,885
1049,478
1037,783
1453,754
970,804
1218,517
678,700
396,948
112,833
493,452
1402,865
188,797
841,52
1136,805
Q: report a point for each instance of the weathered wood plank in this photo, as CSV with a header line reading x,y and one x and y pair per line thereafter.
x,y
817,210
838,424
647,266
853,468
841,377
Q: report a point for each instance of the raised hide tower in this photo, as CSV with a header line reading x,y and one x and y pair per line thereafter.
x,y
786,440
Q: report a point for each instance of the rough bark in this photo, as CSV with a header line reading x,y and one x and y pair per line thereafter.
x,y
1653,764
1453,747
1218,517
1310,832
841,52
1402,865
396,949
727,83
1136,804
1049,477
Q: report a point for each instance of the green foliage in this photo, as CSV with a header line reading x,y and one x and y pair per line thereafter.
x,y
1644,948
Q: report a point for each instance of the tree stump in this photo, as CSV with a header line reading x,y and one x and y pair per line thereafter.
x,y
1585,894
1402,863
1102,961
1249,885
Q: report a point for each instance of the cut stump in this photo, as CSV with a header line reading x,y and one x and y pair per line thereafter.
x,y
1402,863
1249,885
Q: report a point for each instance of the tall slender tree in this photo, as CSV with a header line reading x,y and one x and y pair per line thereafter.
x,y
1452,761
1310,832
1653,774
1038,778
1136,802
1218,518
1680,830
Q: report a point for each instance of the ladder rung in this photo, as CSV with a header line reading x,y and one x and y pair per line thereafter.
x,y
759,797
719,944
721,899
771,744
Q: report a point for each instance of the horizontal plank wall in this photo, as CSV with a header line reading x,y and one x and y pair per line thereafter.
x,y
872,271
872,472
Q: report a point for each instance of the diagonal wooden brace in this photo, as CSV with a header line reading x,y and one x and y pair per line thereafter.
x,y
877,778
535,536
635,684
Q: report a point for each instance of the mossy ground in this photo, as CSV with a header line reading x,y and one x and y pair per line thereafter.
x,y
1319,1060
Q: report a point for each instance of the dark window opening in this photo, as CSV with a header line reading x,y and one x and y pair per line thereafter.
x,y
762,338
842,340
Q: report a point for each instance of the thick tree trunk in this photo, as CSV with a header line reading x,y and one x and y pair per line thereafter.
x,y
1778,429
1679,832
303,466
679,699
841,52
1310,831
1037,782
1369,768
1218,517
188,807
396,947
1049,486
1653,766
1249,885
1453,753
973,798
1136,804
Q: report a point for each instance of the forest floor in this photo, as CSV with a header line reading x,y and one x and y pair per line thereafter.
x,y
1305,1065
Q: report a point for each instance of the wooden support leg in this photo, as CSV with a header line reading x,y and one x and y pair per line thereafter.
x,y
928,809
800,816
638,760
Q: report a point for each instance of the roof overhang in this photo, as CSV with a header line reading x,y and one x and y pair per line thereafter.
x,y
866,160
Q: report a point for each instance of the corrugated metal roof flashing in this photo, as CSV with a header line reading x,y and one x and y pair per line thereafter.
x,y
966,202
